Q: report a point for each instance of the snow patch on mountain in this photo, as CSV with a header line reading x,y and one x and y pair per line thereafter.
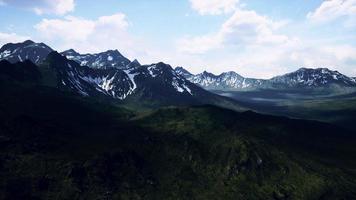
x,y
180,85
176,85
5,54
152,70
187,89
132,79
104,82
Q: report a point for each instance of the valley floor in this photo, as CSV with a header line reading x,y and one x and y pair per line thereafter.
x,y
339,109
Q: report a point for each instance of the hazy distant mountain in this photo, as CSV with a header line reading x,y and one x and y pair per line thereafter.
x,y
225,81
107,59
27,50
302,78
313,78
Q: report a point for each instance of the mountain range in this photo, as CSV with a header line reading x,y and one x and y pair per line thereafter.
x,y
303,78
111,76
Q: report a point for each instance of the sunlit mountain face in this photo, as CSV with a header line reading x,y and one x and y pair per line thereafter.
x,y
192,99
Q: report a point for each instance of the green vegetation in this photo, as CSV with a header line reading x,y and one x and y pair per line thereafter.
x,y
56,145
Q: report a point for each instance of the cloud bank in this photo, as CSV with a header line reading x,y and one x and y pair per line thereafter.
x,y
106,32
335,9
40,7
214,7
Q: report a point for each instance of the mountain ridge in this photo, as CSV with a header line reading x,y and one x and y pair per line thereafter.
x,y
303,78
306,78
106,59
27,50
110,75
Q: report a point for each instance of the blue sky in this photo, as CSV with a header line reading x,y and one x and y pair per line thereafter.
x,y
252,37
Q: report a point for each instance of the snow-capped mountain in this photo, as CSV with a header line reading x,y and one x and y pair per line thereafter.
x,y
86,81
27,50
144,83
110,75
107,59
312,78
301,79
225,81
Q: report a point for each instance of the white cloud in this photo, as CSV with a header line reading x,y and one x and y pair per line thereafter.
x,y
333,9
11,37
264,61
242,29
198,45
252,45
247,26
106,32
334,56
69,29
214,7
58,7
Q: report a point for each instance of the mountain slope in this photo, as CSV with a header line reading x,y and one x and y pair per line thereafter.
x,y
104,60
27,50
21,71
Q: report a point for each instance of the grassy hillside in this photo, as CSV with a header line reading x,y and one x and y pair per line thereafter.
x,y
54,145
